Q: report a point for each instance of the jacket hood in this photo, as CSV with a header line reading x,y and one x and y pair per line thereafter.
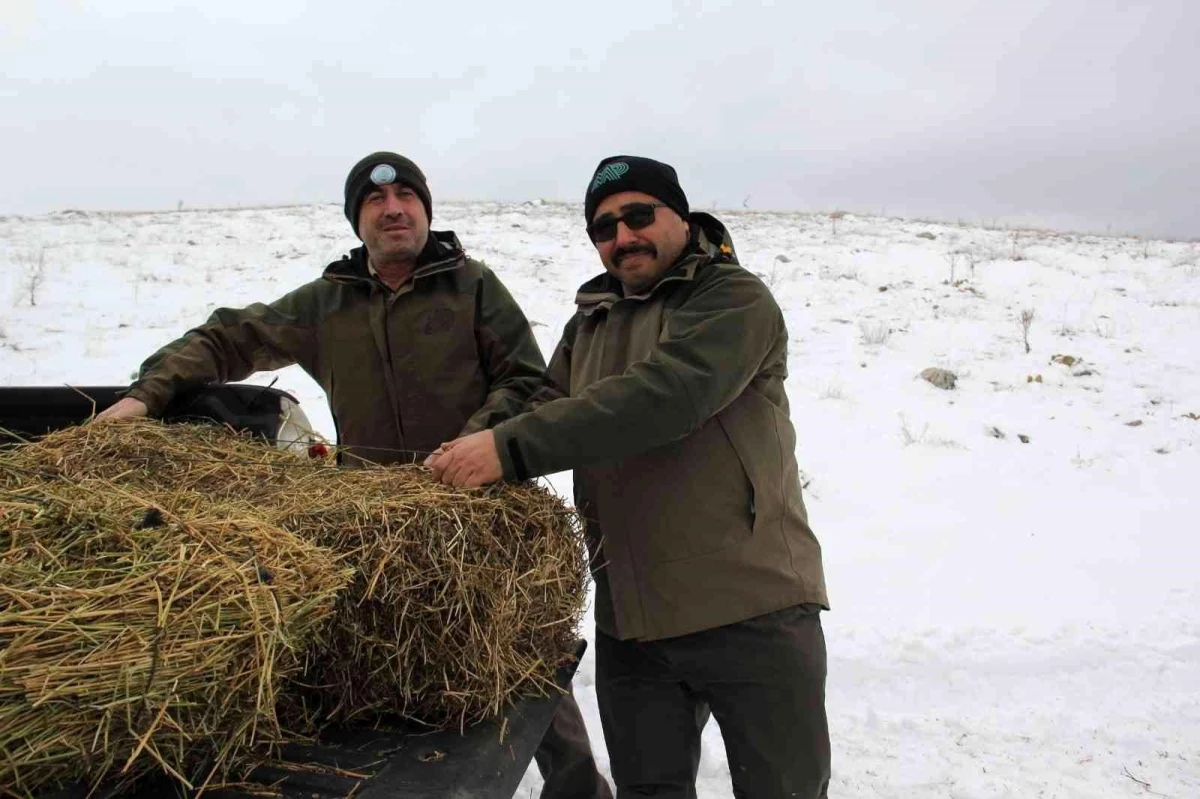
x,y
711,238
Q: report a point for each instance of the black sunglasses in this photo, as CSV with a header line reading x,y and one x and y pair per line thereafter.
x,y
635,216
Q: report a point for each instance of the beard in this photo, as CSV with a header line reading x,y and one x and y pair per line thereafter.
x,y
395,246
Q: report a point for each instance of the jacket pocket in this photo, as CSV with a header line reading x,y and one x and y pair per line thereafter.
x,y
758,437
708,503
751,489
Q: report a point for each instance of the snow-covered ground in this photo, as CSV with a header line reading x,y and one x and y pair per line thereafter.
x,y
1012,564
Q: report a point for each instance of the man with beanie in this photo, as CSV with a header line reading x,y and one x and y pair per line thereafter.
x,y
666,397
413,343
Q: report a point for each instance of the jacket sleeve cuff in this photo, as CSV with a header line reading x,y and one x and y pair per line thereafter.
x,y
156,401
512,460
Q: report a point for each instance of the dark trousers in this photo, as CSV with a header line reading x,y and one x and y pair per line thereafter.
x,y
564,757
764,681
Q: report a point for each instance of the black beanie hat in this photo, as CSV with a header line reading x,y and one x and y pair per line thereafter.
x,y
374,171
631,173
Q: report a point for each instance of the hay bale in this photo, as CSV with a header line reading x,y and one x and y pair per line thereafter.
x,y
462,599
136,634
145,453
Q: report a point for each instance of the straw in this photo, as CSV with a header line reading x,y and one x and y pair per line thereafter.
x,y
175,595
136,633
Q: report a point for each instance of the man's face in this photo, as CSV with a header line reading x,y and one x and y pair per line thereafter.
x,y
638,257
392,223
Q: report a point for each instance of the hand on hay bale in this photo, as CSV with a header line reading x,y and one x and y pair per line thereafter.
x,y
467,462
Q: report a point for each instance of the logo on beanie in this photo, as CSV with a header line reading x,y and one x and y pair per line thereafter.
x,y
383,174
612,171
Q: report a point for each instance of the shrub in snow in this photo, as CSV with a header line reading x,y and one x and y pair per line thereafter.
x,y
1025,318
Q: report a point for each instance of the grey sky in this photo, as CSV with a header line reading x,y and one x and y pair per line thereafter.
x,y
1081,113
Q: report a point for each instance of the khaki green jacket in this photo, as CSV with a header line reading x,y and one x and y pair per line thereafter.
x,y
447,354
670,408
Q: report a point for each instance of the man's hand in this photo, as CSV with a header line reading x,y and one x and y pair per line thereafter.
x,y
467,462
124,408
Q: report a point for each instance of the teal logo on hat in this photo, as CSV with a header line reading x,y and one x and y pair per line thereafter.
x,y
612,171
383,175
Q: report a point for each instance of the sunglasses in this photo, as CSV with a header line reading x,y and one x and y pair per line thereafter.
x,y
635,216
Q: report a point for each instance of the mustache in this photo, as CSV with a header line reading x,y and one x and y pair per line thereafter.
x,y
624,252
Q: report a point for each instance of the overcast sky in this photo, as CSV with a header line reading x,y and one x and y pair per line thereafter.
x,y
1072,113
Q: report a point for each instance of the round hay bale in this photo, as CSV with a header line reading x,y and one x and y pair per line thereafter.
x,y
136,634
461,601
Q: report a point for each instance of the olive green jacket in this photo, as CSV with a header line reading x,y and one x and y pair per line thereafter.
x,y
670,408
448,353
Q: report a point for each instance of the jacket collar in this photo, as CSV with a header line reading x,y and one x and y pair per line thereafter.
x,y
443,252
711,243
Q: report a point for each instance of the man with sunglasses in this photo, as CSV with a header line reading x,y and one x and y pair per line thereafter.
x,y
666,397
412,341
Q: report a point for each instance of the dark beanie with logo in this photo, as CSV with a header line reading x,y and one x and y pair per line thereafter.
x,y
380,169
631,173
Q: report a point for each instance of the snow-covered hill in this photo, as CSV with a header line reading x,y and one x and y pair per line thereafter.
x,y
1012,563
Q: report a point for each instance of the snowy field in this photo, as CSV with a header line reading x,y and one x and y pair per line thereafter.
x,y
1012,564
